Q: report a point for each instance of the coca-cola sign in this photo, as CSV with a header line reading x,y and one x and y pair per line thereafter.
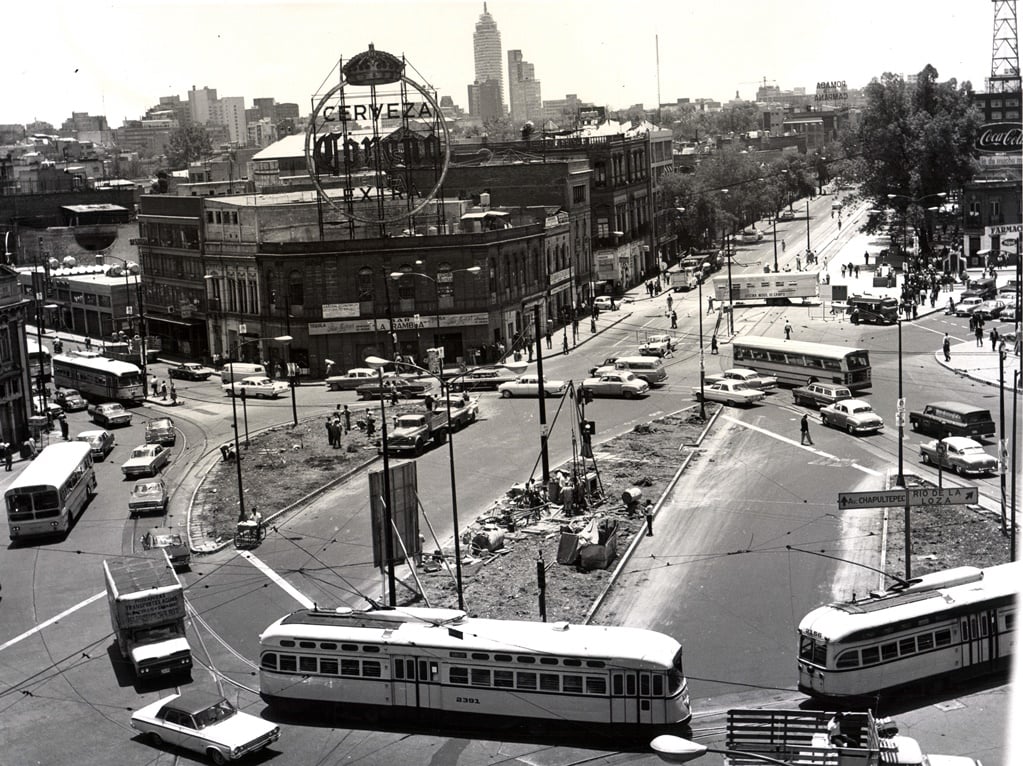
x,y
1000,137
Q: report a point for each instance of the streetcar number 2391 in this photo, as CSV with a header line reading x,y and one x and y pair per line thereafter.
x,y
467,700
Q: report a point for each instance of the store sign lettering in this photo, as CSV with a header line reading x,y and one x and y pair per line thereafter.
x,y
999,137
390,111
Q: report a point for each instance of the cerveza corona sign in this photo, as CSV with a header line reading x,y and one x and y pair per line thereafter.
x,y
366,136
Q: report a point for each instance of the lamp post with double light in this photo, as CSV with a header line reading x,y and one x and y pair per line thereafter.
x,y
672,749
290,367
134,269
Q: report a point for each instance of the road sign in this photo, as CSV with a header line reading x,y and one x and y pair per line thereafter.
x,y
918,496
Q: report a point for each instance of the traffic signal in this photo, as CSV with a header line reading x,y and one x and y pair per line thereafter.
x,y
589,427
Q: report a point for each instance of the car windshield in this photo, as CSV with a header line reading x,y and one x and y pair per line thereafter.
x,y
974,450
146,489
214,714
860,408
165,540
141,452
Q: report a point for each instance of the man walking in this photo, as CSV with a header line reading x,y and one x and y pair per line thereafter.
x,y
804,430
674,320
63,427
979,335
714,343
788,330
346,416
946,347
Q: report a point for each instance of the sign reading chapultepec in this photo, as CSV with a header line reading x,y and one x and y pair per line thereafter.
x,y
366,136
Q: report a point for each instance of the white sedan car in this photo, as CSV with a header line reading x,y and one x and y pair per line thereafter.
x,y
605,303
853,415
351,379
616,383
146,460
528,385
731,392
750,378
257,387
204,723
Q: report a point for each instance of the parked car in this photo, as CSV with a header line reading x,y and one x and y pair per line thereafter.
x,y
989,309
608,363
527,385
51,407
750,378
731,392
70,399
820,394
959,454
481,379
146,459
966,306
786,215
257,387
616,383
161,431
170,540
190,371
605,303
853,415
657,345
147,496
110,414
100,442
352,379
404,387
204,723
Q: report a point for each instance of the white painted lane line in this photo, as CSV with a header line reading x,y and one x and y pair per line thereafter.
x,y
280,581
52,620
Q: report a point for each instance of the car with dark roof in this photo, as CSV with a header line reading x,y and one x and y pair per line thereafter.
x,y
190,371
100,441
171,541
70,399
820,394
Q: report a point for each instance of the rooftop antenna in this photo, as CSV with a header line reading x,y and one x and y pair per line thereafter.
x,y
1005,76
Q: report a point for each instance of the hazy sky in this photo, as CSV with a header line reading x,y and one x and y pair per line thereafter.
x,y
117,58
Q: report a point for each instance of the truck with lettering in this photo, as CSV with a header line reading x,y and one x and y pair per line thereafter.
x,y
819,737
147,612
773,289
683,280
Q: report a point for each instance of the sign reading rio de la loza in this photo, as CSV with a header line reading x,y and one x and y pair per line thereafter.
x,y
377,144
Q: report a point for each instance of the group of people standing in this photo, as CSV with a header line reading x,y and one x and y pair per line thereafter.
x,y
339,424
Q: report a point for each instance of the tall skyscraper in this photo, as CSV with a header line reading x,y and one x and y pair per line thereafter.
x,y
486,48
523,90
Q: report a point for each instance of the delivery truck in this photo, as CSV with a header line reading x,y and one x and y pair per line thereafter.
x,y
147,612
772,289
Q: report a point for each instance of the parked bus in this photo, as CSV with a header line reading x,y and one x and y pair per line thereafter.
x,y
51,491
795,362
98,378
873,309
439,661
38,355
950,625
772,289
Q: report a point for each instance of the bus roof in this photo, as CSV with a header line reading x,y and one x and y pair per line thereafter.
x,y
795,346
52,465
92,362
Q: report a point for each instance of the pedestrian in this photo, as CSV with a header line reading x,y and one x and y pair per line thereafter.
x,y
979,335
63,427
710,304
549,340
951,306
564,343
394,396
370,424
163,391
915,306
593,325
335,428
670,301
783,245
674,320
714,343
788,330
330,431
346,417
856,271
799,263
8,456
156,386
946,347
994,338
843,271
648,514
174,394
866,259
804,430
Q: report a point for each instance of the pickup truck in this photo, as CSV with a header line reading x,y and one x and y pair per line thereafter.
x,y
657,345
413,431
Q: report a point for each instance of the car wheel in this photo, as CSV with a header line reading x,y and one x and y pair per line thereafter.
x,y
961,470
914,425
629,394
506,394
824,421
850,429
216,756
154,739
925,458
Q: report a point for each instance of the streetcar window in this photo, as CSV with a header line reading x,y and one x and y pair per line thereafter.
x,y
307,664
349,667
871,655
330,647
550,682
596,685
458,655
925,642
1010,621
572,663
287,642
943,637
459,676
907,646
504,679
658,686
370,648
594,663
328,667
525,680
307,644
289,663
630,686
644,684
983,628
503,657
269,661
848,659
526,659
349,647
966,630
399,670
480,677
571,684
889,651
371,669
616,685
480,656
548,660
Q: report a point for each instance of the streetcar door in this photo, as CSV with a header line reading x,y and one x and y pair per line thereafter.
x,y
644,701
630,697
977,638
429,685
403,682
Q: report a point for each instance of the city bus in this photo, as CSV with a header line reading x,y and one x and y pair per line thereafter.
x,y
97,378
946,626
795,362
51,491
38,355
439,661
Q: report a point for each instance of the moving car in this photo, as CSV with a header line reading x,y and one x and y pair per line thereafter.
x,y
751,235
616,383
257,387
657,345
161,431
54,409
100,442
170,540
204,723
732,392
405,388
190,371
786,215
959,454
146,459
605,303
750,378
110,414
351,380
966,306
820,394
607,363
481,379
70,399
527,385
989,309
147,496
853,415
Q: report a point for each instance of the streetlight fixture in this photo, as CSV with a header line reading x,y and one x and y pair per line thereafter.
x,y
134,269
378,363
286,340
672,749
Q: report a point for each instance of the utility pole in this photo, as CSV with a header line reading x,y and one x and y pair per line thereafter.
x,y
541,395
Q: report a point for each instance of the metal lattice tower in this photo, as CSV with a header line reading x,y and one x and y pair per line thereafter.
x,y
1005,76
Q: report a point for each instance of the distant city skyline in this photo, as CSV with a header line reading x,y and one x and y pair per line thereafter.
x,y
119,58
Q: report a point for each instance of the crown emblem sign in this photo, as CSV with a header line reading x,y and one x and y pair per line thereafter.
x,y
373,67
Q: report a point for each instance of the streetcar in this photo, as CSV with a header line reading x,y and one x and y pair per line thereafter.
x,y
51,491
439,661
98,378
946,626
795,362
38,361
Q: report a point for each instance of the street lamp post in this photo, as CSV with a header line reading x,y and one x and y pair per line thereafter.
x,y
379,363
237,456
286,340
774,236
808,251
134,269
703,374
396,275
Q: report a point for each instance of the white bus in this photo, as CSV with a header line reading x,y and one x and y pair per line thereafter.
x,y
795,362
51,491
439,661
950,625
97,378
